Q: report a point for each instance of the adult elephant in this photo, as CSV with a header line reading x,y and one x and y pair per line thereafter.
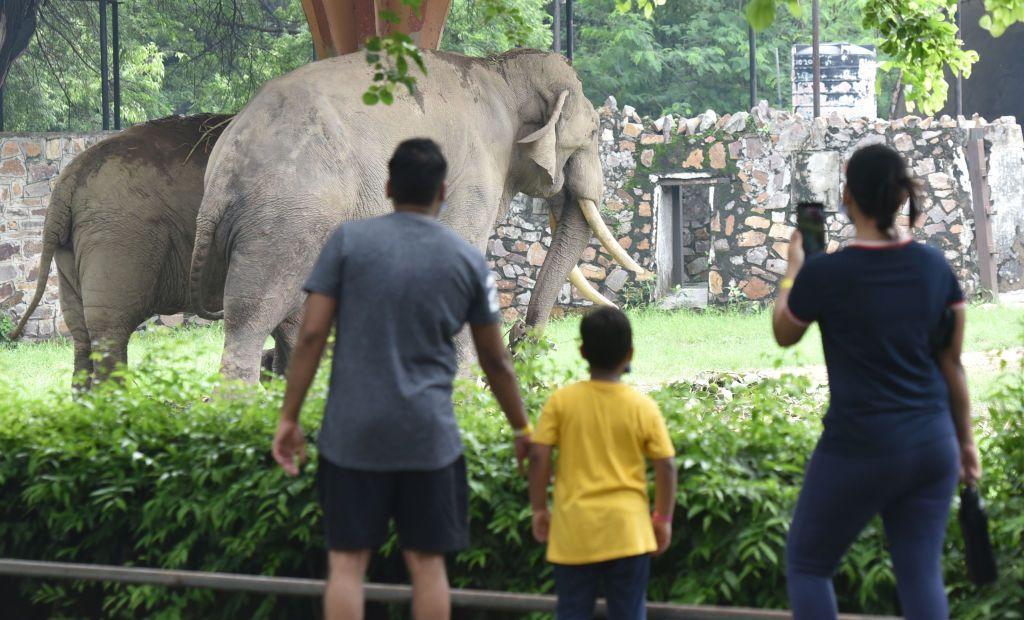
x,y
121,225
306,154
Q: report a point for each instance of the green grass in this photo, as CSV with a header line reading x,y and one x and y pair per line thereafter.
x,y
44,365
669,346
673,345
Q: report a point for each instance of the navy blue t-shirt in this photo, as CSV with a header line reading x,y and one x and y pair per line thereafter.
x,y
877,306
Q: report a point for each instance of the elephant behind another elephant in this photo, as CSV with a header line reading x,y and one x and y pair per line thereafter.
x,y
121,227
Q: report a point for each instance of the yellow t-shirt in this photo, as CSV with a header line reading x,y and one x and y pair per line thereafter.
x,y
602,431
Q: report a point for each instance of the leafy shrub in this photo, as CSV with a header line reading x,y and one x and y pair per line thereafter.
x,y
151,471
6,327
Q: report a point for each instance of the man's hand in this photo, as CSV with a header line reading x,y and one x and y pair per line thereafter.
x,y
289,447
663,536
541,525
496,363
522,448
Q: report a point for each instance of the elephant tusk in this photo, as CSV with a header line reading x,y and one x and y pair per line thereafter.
x,y
584,286
607,239
580,281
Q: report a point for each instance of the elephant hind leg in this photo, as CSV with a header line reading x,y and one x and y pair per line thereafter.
x,y
286,335
259,294
74,317
109,332
247,325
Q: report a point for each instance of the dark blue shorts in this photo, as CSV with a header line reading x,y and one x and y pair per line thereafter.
x,y
623,583
430,508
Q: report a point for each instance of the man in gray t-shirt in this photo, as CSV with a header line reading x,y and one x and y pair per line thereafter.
x,y
398,289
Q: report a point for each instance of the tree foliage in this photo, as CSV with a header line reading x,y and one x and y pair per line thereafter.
x,y
919,37
212,55
693,56
476,29
177,57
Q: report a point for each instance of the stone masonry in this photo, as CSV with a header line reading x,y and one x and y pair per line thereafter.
x,y
738,177
760,164
29,165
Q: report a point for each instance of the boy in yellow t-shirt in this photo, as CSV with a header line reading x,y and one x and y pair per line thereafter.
x,y
601,533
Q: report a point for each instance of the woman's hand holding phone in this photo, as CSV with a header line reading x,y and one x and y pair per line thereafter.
x,y
796,253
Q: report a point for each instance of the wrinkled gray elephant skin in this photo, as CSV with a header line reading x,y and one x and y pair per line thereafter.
x,y
306,155
121,226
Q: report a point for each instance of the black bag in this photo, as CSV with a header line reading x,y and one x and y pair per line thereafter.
x,y
942,335
981,561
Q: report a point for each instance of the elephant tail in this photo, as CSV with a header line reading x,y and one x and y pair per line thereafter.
x,y
206,226
56,233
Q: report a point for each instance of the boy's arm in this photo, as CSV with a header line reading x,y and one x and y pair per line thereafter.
x,y
664,501
540,475
665,486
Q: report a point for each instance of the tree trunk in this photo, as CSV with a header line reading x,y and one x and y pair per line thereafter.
x,y
17,25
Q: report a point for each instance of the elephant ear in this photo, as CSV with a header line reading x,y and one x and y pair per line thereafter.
x,y
541,145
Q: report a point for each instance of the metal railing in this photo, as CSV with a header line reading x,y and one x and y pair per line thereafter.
x,y
379,593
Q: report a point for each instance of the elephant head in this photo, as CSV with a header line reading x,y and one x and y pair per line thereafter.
x,y
557,157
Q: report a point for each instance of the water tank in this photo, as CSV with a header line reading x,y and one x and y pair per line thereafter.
x,y
847,80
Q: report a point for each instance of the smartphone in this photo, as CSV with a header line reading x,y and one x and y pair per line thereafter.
x,y
810,221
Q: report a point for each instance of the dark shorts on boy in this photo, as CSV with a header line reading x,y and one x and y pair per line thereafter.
x,y
623,583
430,508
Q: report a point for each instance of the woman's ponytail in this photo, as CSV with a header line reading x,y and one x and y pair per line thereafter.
x,y
910,186
878,180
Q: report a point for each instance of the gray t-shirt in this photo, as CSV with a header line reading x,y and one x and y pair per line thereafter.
x,y
405,286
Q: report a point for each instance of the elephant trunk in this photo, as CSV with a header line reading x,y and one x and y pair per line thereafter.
x,y
569,239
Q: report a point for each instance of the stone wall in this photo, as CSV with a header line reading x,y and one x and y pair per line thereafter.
x,y
744,173
29,165
738,177
1004,148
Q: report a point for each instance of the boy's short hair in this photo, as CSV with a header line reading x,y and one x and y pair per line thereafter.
x,y
417,169
607,338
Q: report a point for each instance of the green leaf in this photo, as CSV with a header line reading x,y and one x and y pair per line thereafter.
x,y
370,98
760,13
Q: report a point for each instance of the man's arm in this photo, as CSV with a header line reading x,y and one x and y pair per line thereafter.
x,y
540,475
665,482
289,442
960,401
496,363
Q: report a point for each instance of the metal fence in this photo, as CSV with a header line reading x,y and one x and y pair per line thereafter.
x,y
380,593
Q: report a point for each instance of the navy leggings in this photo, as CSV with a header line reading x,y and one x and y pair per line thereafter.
x,y
912,490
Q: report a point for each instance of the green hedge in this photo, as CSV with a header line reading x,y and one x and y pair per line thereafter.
x,y
153,472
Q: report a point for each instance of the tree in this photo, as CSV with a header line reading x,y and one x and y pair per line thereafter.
x,y
474,29
693,56
180,57
17,25
919,36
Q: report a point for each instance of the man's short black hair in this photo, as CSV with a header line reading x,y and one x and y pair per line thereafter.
x,y
417,171
607,338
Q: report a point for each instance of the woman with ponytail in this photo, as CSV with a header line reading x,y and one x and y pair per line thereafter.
x,y
897,434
